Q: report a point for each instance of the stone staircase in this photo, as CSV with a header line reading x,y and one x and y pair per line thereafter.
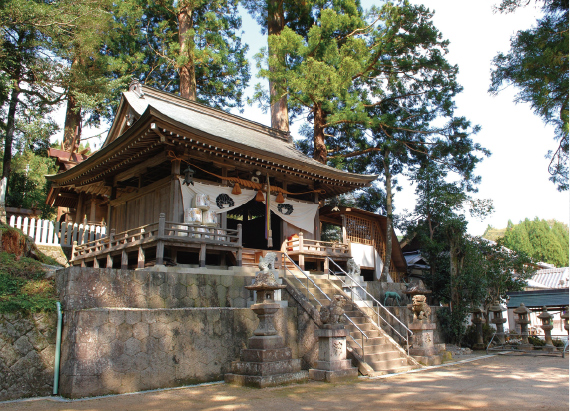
x,y
382,355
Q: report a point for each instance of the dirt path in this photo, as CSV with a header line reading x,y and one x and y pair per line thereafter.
x,y
499,383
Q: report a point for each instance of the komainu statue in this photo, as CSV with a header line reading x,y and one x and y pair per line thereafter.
x,y
333,313
265,275
353,268
420,308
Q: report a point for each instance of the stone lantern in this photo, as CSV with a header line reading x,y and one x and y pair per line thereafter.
x,y
498,320
478,320
267,361
523,320
547,326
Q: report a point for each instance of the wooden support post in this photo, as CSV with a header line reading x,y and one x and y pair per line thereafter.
x,y
141,258
79,210
124,260
239,242
160,243
177,208
110,246
93,209
203,255
95,263
301,249
326,266
344,237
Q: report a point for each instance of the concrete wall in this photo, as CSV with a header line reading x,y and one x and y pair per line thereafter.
x,y
27,350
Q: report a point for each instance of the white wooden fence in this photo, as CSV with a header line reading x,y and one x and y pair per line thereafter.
x,y
45,232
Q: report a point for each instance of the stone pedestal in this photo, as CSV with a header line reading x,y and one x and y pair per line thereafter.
x,y
332,364
267,361
423,349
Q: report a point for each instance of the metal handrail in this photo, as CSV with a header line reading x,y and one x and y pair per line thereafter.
x,y
378,304
362,333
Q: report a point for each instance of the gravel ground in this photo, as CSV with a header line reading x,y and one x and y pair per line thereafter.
x,y
498,383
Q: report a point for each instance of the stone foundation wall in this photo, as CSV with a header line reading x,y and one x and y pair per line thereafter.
x,y
27,351
378,290
108,351
82,287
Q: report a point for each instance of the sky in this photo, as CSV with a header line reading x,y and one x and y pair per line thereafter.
x,y
515,176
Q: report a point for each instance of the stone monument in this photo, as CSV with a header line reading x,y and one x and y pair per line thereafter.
x,y
423,349
332,364
267,361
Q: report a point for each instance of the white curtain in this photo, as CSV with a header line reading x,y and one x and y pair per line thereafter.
x,y
220,199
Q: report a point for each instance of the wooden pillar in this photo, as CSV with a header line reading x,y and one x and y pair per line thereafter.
x,y
326,266
284,225
95,263
160,243
79,211
317,225
93,209
203,255
177,211
239,242
110,245
301,255
124,260
110,208
141,258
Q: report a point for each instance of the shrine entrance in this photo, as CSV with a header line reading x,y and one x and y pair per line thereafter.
x,y
252,217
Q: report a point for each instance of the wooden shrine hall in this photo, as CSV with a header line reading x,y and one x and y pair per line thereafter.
x,y
177,182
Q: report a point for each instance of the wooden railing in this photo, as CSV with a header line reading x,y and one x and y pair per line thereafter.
x,y
46,232
158,234
307,246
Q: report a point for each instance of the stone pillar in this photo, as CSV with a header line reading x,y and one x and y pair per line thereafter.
x,y
523,320
498,320
423,349
332,364
478,320
547,326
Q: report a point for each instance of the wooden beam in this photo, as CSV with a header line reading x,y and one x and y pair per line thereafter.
x,y
142,167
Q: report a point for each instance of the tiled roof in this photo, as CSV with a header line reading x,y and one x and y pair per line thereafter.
x,y
552,277
233,129
539,298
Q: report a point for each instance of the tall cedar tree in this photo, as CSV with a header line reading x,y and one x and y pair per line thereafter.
x,y
537,64
31,75
200,41
379,92
273,16
101,54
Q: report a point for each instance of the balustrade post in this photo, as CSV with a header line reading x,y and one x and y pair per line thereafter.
x,y
141,257
202,255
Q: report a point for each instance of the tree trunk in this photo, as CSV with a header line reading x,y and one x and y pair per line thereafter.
x,y
72,127
454,271
10,128
389,221
279,110
319,148
188,70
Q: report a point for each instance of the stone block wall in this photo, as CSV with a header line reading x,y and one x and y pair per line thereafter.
x,y
122,350
378,290
83,287
27,351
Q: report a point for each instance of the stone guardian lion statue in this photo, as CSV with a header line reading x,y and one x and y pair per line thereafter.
x,y
420,308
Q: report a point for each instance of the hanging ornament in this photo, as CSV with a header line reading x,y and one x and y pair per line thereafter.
x,y
279,199
259,196
237,189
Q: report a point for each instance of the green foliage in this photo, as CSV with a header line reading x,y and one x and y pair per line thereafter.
x,y
493,234
23,286
537,342
470,337
542,240
28,187
537,65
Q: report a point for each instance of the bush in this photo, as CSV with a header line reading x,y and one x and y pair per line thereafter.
x,y
470,336
537,342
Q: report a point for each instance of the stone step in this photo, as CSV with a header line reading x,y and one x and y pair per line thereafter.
x,y
389,365
364,326
369,333
395,370
370,349
382,356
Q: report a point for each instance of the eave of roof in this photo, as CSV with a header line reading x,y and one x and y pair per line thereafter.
x,y
275,154
539,298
